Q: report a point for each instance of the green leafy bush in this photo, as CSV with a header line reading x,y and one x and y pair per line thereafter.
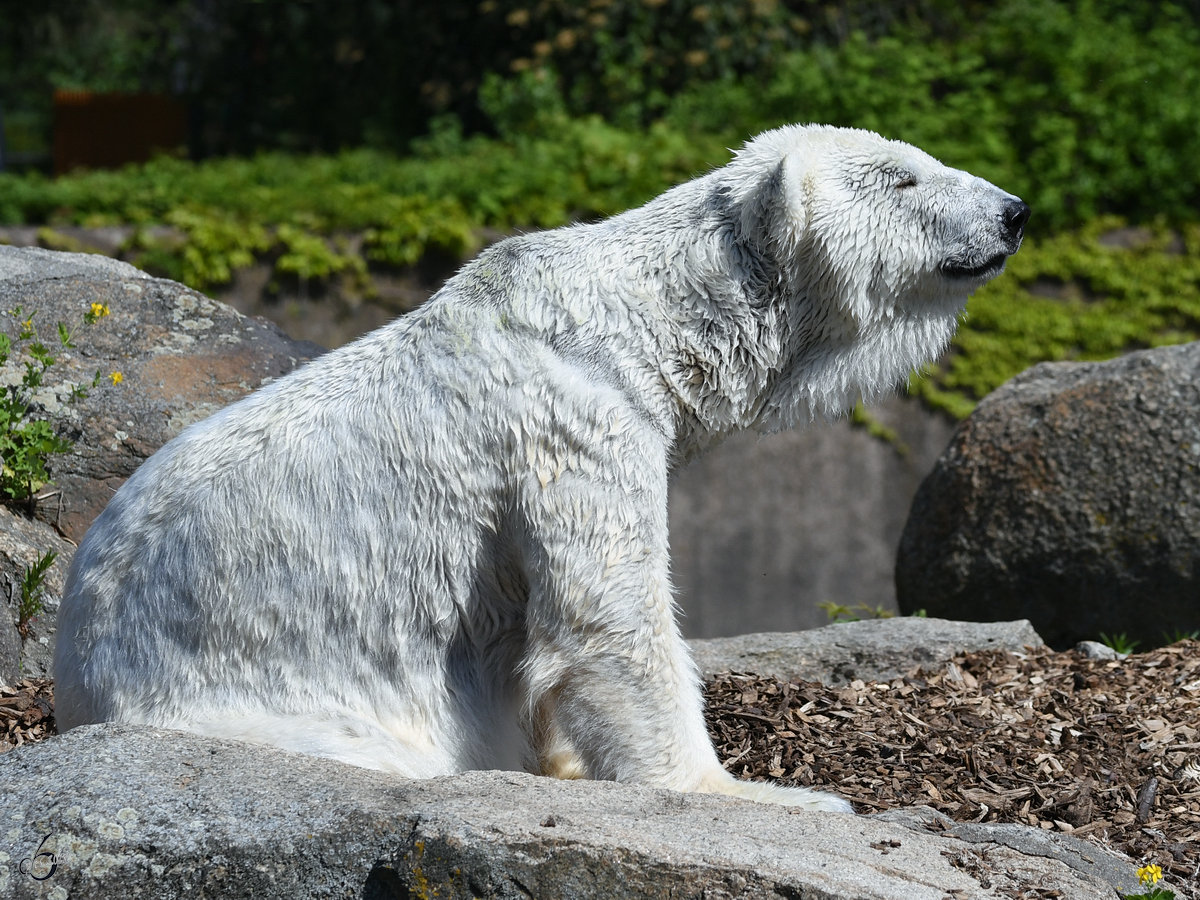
x,y
410,227
225,214
311,257
1078,108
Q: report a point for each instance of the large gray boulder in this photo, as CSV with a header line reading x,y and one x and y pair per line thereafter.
x,y
182,356
1071,497
118,811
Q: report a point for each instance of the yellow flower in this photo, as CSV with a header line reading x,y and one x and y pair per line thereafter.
x,y
99,310
116,377
1150,874
27,325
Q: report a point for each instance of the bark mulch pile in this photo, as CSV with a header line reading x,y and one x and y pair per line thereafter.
x,y
1108,750
26,713
1105,749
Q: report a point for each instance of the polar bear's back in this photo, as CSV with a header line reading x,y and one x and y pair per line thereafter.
x,y
334,590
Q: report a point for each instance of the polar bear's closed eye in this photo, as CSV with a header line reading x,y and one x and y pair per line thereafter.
x,y
444,546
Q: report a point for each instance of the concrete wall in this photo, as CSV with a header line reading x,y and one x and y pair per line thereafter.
x,y
764,528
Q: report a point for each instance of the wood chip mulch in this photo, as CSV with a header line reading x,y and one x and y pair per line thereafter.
x,y
1104,749
26,713
1108,750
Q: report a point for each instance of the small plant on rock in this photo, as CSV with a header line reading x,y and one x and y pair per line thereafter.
x,y
27,439
1150,876
1121,643
32,601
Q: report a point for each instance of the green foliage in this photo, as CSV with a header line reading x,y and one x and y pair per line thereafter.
x,y
839,612
310,257
226,214
32,602
1178,635
27,440
410,227
1119,642
529,103
1079,108
214,245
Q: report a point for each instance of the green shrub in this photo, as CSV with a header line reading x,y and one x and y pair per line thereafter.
x,y
410,227
312,257
1079,109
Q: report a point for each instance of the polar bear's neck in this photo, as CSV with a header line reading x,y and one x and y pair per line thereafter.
x,y
830,372
702,300
706,327
745,333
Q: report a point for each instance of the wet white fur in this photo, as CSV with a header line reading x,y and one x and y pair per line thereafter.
x,y
444,546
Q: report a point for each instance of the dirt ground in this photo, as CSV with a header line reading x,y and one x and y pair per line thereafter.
x,y
1108,750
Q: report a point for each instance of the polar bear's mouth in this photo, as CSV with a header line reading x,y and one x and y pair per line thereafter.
x,y
954,268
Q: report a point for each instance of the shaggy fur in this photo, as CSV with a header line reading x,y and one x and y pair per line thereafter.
x,y
444,546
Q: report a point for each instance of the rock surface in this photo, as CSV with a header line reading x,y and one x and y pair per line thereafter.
x,y
22,541
182,356
1071,497
870,650
109,811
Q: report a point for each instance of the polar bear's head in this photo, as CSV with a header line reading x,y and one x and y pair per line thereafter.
x,y
878,223
876,246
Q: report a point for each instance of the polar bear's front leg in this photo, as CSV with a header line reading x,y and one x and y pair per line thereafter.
x,y
611,688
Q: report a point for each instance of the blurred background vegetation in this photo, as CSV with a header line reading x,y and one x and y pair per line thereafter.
x,y
337,138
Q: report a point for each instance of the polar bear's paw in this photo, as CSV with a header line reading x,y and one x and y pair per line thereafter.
x,y
563,765
763,792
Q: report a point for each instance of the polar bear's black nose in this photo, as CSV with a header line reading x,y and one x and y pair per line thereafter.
x,y
1015,215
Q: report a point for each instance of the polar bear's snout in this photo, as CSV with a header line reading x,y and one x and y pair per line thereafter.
x,y
1015,215
980,252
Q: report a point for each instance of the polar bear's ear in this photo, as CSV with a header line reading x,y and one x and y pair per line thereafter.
x,y
775,213
795,190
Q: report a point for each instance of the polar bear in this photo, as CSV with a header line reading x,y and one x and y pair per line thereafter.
x,y
444,547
